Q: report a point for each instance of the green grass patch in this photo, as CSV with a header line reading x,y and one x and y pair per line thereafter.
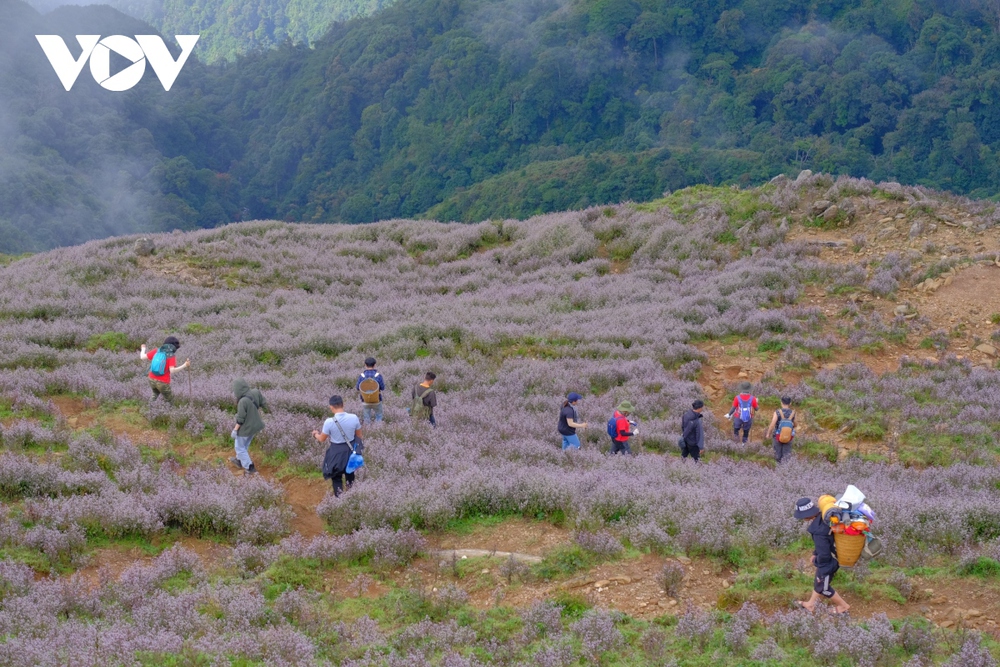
x,y
563,561
196,329
468,525
982,567
816,449
288,573
573,605
772,346
113,341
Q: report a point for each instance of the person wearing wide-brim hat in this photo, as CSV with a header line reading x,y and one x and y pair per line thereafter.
x,y
569,421
824,557
624,428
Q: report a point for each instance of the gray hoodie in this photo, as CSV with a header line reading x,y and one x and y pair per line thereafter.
x,y
251,402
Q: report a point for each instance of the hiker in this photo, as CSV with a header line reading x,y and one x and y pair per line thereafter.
x,y
163,365
782,429
744,408
424,400
249,403
692,432
569,421
370,386
824,557
621,428
343,432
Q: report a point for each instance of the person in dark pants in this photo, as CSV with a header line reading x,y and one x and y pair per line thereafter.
x,y
782,420
625,428
824,557
692,432
744,407
424,399
343,432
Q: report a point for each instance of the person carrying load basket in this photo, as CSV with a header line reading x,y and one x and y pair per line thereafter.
x,y
824,557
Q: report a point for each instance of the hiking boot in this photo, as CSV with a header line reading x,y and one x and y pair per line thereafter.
x,y
252,470
235,461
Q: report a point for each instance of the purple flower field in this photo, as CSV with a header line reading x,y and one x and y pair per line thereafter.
x,y
511,316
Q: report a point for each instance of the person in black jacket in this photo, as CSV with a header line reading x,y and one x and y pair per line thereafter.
x,y
692,432
824,557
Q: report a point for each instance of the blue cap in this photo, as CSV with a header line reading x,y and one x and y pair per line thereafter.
x,y
573,397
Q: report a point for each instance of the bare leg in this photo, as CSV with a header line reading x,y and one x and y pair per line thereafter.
x,y
810,604
841,606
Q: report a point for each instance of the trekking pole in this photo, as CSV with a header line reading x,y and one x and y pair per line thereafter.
x,y
190,392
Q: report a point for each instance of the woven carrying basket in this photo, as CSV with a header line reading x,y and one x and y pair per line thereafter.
x,y
849,548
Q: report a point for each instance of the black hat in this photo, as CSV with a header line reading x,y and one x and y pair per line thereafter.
x,y
172,340
370,361
805,508
698,405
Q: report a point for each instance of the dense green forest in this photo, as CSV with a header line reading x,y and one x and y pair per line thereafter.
x,y
230,28
467,109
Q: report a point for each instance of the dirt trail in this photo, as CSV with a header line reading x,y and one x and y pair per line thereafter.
x,y
627,585
303,495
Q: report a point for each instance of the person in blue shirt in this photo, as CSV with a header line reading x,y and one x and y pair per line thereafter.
x,y
343,432
370,386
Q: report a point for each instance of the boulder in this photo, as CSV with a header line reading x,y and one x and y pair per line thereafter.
x,y
831,213
987,349
145,247
821,205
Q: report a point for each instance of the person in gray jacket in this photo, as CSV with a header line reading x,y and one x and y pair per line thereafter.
x,y
692,432
248,423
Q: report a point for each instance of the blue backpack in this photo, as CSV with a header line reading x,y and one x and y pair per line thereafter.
x,y
745,409
159,365
613,427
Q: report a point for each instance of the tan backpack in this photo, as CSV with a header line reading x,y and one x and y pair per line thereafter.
x,y
369,390
786,427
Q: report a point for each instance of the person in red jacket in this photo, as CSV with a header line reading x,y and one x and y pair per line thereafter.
x,y
625,428
744,408
160,383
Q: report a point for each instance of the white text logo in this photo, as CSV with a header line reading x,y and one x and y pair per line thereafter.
x,y
98,51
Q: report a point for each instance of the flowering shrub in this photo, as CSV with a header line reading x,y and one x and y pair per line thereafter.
x,y
510,328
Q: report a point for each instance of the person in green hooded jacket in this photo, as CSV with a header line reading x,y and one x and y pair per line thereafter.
x,y
248,423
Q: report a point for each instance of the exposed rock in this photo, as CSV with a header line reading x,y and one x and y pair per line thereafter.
x,y
831,213
885,233
145,247
779,179
821,205
987,349
916,229
803,175
603,583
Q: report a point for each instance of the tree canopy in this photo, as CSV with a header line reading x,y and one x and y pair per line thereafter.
x,y
467,109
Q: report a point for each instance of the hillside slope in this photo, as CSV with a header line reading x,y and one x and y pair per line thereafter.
x,y
872,305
